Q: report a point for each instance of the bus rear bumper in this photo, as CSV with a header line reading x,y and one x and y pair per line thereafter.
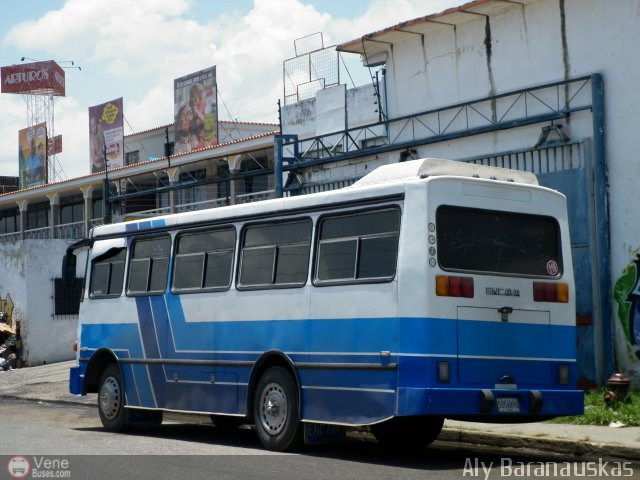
x,y
489,402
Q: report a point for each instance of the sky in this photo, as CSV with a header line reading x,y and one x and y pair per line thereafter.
x,y
136,49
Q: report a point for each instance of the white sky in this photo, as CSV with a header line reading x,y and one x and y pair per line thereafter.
x,y
135,49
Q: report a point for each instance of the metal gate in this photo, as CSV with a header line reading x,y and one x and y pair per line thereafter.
x,y
568,168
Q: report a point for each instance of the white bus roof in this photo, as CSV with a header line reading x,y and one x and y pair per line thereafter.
x,y
431,167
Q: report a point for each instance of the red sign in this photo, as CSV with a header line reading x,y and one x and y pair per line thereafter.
x,y
55,145
33,78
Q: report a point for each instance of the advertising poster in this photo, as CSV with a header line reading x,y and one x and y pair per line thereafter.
x,y
106,136
196,111
32,155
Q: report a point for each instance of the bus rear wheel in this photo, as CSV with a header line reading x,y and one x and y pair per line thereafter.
x,y
111,400
276,411
408,432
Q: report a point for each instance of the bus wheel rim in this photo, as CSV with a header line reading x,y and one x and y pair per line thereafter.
x,y
110,398
273,408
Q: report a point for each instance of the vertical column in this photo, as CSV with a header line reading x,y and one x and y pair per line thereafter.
x,y
54,204
22,205
87,195
172,173
235,163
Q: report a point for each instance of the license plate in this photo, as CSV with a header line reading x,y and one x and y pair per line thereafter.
x,y
315,434
508,405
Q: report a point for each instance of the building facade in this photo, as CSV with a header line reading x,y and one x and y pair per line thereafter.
x,y
548,86
37,224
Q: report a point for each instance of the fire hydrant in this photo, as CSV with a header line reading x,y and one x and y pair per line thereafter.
x,y
618,385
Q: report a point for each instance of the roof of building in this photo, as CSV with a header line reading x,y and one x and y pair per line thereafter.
x,y
373,45
170,125
176,156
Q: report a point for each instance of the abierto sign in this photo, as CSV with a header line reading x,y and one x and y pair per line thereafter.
x,y
34,78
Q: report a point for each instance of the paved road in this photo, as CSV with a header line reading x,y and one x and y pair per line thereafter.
x,y
56,433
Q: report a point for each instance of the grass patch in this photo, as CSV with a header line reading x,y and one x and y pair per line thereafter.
x,y
596,412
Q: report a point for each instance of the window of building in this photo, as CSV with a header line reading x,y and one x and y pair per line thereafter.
x,y
72,209
107,273
97,207
38,215
204,260
9,221
67,297
275,254
149,266
132,157
358,247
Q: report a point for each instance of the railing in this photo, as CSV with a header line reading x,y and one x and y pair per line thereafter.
x,y
43,233
215,203
512,109
10,237
70,231
255,196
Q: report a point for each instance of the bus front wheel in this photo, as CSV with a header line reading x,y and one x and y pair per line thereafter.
x,y
408,432
111,401
276,411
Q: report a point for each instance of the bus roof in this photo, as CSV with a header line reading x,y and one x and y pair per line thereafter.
x,y
431,167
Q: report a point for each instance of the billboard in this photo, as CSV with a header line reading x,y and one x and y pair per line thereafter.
x,y
55,145
106,136
195,108
38,77
32,155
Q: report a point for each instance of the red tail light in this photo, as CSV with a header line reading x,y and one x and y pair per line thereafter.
x,y
550,292
448,286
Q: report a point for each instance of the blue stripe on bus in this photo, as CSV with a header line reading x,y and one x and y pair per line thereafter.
x,y
435,337
124,340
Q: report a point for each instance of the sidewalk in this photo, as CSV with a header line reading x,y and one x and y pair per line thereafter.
x,y
49,383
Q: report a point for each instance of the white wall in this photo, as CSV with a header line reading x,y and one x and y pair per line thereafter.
x,y
27,269
528,47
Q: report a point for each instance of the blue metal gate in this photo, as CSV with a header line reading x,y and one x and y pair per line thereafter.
x,y
568,169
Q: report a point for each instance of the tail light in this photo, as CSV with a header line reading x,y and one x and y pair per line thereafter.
x,y
551,292
448,286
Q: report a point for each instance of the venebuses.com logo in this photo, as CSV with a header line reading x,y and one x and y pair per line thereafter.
x,y
18,467
38,467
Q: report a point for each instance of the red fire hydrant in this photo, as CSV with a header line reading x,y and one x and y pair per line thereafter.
x,y
618,385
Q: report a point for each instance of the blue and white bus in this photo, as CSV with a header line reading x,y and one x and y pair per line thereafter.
x,y
428,289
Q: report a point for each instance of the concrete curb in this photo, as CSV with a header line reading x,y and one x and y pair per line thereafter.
x,y
582,449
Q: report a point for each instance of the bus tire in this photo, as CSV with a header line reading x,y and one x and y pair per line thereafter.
x,y
408,433
111,399
276,411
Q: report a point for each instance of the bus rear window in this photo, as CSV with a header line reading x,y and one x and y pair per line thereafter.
x,y
470,239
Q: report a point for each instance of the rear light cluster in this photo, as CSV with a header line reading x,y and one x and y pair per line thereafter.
x,y
449,286
551,292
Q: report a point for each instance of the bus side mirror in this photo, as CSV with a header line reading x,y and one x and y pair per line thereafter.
x,y
69,269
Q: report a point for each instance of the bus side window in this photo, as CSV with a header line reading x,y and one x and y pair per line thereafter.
x,y
275,255
107,274
358,247
204,260
148,266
